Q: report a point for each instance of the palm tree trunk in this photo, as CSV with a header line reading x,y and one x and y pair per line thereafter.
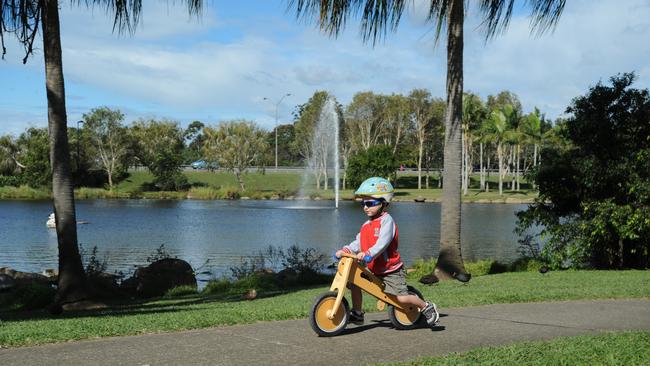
x,y
450,260
72,285
517,171
500,157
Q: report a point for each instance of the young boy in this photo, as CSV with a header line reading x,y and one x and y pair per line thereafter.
x,y
378,239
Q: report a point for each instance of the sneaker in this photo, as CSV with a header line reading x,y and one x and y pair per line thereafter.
x,y
430,312
356,317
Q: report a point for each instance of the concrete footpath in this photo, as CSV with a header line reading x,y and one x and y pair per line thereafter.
x,y
294,343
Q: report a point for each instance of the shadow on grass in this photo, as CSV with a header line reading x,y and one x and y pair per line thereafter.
x,y
142,306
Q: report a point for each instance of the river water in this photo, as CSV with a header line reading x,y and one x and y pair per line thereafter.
x,y
126,232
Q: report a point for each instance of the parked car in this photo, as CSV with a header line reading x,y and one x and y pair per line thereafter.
x,y
202,164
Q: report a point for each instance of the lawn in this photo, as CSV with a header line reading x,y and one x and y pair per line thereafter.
x,y
191,312
623,348
289,184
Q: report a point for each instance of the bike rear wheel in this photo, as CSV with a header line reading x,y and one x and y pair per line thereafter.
x,y
409,317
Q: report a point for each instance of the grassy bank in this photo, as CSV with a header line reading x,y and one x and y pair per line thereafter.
x,y
194,311
222,185
624,348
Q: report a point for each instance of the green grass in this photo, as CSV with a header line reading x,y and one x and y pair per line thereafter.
x,y
190,312
271,185
623,348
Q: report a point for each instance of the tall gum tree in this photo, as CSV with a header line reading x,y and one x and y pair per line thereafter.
x,y
379,16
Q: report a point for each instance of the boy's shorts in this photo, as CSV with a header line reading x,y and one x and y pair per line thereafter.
x,y
395,282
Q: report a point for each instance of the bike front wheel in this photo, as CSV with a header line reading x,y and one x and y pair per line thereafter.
x,y
321,323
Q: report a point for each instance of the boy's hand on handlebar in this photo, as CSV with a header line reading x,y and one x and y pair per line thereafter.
x,y
338,254
361,256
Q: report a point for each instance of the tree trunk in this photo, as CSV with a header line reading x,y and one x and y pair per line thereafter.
x,y
450,260
500,157
517,171
481,167
420,153
72,285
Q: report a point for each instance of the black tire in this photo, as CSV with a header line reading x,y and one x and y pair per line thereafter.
x,y
409,319
318,320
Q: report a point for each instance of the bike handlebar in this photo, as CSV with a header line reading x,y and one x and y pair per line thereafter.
x,y
366,259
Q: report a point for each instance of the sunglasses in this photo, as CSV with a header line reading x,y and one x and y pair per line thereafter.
x,y
371,203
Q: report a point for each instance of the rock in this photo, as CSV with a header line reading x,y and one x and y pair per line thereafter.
x,y
419,199
25,278
286,277
251,294
6,282
49,272
160,276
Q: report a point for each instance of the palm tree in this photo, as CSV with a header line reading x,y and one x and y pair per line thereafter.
x,y
377,18
23,19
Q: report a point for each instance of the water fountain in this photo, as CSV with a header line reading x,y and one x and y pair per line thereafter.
x,y
325,149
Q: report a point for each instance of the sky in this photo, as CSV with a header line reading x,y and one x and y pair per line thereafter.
x,y
240,58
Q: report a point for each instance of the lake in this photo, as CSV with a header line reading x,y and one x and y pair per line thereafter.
x,y
126,232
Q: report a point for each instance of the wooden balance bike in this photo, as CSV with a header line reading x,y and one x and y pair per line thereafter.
x,y
330,313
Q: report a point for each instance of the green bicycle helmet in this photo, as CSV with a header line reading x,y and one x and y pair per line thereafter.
x,y
376,187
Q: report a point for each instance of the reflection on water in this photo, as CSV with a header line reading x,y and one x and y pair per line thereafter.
x,y
129,231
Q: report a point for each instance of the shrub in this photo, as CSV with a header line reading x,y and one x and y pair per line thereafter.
x,y
526,265
421,268
217,286
30,297
230,193
160,254
377,161
179,291
485,267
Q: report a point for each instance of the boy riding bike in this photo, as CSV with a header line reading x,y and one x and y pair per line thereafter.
x,y
377,243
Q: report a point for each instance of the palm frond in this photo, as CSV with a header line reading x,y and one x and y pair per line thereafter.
x,y
545,14
22,18
126,13
377,16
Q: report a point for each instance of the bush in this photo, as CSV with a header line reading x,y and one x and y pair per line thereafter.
x,y
179,291
421,268
217,287
377,161
594,187
29,297
526,265
485,267
10,180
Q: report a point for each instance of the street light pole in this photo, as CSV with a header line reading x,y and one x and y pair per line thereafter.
x,y
78,145
276,127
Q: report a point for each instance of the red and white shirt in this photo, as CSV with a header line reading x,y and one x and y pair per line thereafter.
x,y
378,238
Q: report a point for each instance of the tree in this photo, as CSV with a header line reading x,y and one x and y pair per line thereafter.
x,y
422,118
193,136
594,191
377,161
364,119
396,123
237,145
108,138
496,130
377,17
23,19
160,148
9,155
473,115
35,156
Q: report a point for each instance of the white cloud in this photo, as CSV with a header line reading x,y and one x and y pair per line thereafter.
x,y
221,67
